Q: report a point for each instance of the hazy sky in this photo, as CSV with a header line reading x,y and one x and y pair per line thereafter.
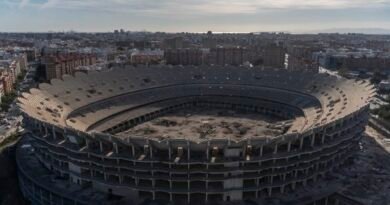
x,y
192,15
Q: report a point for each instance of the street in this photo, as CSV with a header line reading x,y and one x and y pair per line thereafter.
x,y
10,122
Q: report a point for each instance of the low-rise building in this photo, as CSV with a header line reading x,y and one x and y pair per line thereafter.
x,y
146,57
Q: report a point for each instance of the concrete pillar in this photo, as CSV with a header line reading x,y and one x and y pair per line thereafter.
x,y
276,149
101,146
269,192
208,151
301,143
87,143
261,150
133,150
151,151
116,150
313,138
169,152
54,133
289,146
188,151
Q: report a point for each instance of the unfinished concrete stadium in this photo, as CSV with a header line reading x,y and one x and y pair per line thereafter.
x,y
188,135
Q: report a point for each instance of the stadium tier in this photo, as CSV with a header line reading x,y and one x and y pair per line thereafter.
x,y
187,134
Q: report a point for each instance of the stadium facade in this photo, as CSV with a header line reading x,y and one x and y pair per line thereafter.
x,y
80,148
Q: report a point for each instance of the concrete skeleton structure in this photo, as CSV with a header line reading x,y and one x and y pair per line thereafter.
x,y
78,150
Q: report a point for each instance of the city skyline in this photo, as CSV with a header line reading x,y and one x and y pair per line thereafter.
x,y
196,16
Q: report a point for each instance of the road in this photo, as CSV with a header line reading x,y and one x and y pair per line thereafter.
x,y
10,122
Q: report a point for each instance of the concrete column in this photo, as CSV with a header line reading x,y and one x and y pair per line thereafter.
x,y
323,138
151,151
101,146
276,149
87,143
169,152
261,150
208,151
313,138
301,143
116,150
289,146
188,151
54,133
133,150
269,192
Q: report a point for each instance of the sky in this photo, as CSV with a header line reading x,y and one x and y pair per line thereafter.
x,y
297,16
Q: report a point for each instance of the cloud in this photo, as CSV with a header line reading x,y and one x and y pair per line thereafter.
x,y
23,3
199,7
204,6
